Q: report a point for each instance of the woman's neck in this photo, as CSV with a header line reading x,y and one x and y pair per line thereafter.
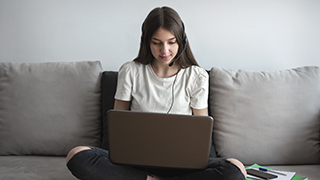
x,y
164,70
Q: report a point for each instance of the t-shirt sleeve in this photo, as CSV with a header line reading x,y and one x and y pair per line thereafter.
x,y
124,85
200,90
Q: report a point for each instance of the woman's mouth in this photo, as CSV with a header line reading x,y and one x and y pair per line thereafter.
x,y
165,57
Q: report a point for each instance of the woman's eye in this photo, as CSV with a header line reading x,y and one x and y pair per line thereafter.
x,y
155,43
173,42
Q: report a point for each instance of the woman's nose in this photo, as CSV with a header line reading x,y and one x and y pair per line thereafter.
x,y
164,48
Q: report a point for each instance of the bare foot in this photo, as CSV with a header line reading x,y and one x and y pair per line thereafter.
x,y
239,164
152,177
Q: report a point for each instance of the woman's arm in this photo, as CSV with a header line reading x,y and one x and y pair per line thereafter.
x,y
121,105
200,112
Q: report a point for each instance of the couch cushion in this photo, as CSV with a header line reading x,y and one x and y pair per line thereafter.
x,y
34,168
48,108
267,117
108,89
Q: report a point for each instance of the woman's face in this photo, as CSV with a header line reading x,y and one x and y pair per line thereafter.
x,y
164,46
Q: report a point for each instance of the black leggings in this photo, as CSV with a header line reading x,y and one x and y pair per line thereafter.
x,y
94,164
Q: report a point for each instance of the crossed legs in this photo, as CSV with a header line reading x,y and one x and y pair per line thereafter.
x,y
93,163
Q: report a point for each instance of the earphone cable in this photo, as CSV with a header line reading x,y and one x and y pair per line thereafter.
x,y
174,81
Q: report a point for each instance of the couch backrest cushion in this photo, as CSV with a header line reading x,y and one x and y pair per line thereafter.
x,y
108,89
48,108
267,117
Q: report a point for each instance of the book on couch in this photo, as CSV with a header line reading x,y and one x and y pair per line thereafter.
x,y
287,174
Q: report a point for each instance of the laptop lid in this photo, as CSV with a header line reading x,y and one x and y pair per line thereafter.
x,y
159,140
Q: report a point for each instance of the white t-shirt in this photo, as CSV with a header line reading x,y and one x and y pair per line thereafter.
x,y
147,92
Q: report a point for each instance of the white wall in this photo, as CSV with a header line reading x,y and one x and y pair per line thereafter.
x,y
244,34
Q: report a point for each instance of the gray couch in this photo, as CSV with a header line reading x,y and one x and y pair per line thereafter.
x,y
269,118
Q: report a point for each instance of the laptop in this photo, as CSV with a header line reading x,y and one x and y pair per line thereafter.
x,y
159,140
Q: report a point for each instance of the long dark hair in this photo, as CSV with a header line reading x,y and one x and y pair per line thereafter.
x,y
169,19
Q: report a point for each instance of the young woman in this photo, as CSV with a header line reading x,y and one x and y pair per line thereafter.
x,y
166,78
